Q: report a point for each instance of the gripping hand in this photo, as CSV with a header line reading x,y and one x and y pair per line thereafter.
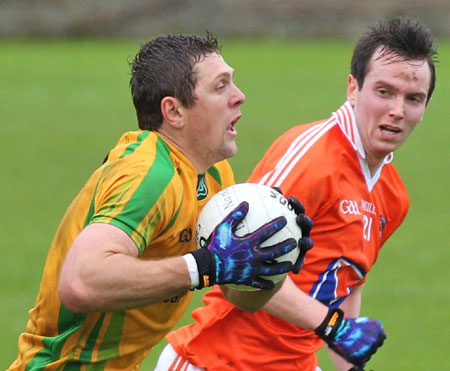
x,y
305,243
355,339
228,258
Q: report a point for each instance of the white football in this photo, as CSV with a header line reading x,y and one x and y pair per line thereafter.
x,y
265,204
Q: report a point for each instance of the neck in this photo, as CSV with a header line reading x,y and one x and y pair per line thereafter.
x,y
373,165
201,168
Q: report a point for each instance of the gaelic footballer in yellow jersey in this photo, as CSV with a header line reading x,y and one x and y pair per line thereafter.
x,y
141,166
120,271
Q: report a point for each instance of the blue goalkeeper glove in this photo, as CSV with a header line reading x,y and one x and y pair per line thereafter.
x,y
354,339
227,258
305,243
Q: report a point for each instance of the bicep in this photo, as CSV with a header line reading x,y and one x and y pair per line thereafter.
x,y
94,243
104,239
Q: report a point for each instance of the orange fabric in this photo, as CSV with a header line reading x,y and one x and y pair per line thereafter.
x,y
354,213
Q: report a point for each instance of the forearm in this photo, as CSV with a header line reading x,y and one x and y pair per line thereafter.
x,y
351,308
121,282
112,278
250,301
294,306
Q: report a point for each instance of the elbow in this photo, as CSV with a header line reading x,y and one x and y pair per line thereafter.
x,y
75,296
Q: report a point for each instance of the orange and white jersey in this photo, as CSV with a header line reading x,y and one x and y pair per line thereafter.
x,y
323,165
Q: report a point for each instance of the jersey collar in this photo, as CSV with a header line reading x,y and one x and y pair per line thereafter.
x,y
345,117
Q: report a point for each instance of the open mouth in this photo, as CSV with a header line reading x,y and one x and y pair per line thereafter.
x,y
389,129
231,128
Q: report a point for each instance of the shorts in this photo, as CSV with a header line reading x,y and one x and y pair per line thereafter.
x,y
169,360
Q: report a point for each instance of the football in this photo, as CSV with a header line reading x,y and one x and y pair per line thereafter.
x,y
265,204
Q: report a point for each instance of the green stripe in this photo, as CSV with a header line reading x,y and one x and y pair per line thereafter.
x,y
92,205
86,353
129,150
132,147
69,323
113,332
215,174
172,221
149,191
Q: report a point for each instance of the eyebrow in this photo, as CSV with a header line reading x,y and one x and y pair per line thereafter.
x,y
392,87
227,74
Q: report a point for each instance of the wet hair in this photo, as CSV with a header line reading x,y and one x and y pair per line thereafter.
x,y
401,36
164,67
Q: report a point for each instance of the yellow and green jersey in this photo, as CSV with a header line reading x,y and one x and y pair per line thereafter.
x,y
151,191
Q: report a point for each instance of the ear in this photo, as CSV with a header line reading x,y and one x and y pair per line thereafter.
x,y
171,109
352,89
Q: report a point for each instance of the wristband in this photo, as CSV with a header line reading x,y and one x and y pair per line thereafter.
x,y
192,269
206,267
328,328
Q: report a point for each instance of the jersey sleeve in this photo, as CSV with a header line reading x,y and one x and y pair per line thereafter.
x,y
128,196
304,178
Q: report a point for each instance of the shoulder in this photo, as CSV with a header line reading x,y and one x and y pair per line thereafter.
x,y
308,148
394,189
140,162
222,173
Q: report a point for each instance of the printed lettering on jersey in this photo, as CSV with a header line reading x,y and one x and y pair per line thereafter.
x,y
185,235
349,207
365,208
368,207
329,288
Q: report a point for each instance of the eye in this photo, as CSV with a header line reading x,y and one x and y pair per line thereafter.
x,y
416,99
383,91
220,86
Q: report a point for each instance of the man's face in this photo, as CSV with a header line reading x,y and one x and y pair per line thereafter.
x,y
390,103
210,122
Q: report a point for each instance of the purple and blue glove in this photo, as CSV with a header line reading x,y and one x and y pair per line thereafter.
x,y
354,339
228,258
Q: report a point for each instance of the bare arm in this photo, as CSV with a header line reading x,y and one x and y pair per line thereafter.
x,y
250,301
351,307
293,305
102,273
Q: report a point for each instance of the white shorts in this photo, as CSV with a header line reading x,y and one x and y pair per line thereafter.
x,y
169,360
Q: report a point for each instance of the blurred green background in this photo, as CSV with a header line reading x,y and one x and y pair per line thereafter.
x,y
65,104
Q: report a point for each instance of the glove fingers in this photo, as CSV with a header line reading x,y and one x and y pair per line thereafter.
x,y
305,244
236,215
276,268
296,205
274,251
261,283
267,230
305,223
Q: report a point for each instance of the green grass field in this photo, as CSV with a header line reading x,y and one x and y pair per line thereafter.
x,y
64,105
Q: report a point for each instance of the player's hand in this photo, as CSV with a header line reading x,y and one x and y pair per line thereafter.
x,y
228,258
305,243
354,339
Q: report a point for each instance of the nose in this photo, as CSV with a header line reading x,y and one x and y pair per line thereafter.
x,y
397,108
237,97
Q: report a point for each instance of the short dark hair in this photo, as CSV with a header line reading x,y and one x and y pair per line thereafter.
x,y
164,67
402,36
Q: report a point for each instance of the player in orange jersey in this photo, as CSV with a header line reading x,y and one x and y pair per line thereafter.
x,y
341,168
123,263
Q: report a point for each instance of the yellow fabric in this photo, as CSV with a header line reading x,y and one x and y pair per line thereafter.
x,y
147,188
